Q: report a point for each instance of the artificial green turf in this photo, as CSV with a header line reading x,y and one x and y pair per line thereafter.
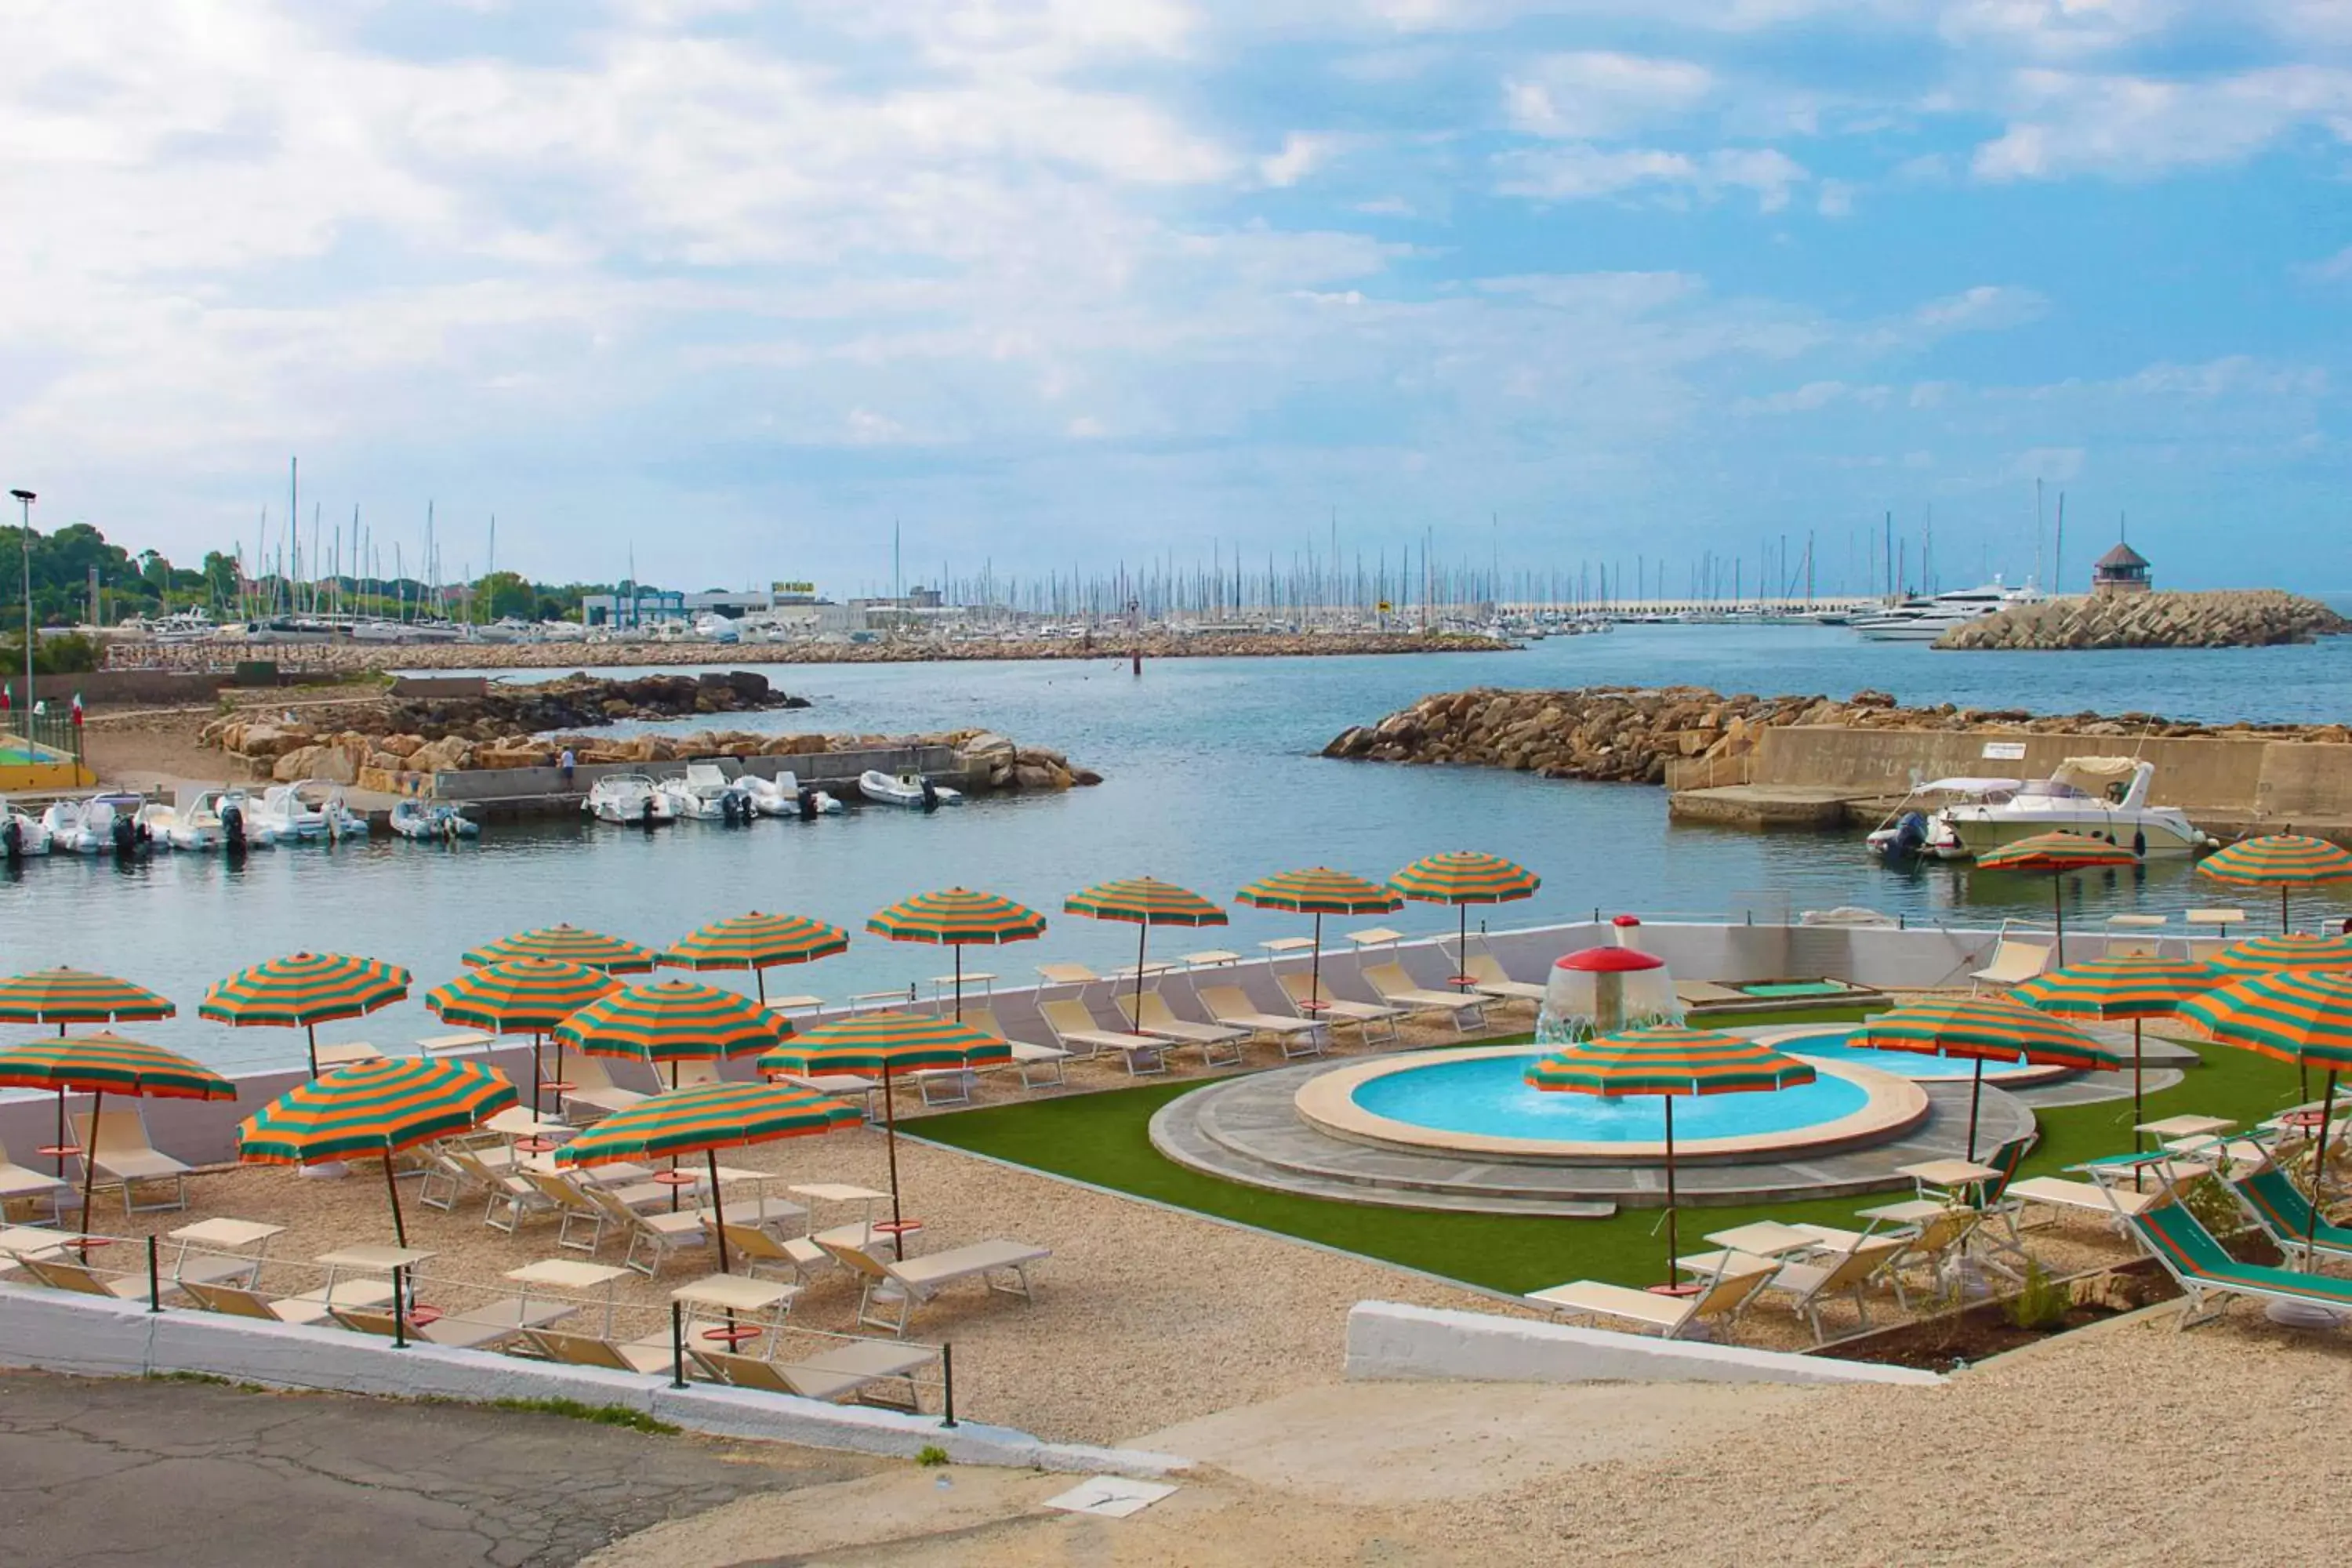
x,y
1103,1139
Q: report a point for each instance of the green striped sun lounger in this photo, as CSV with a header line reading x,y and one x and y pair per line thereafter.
x,y
2203,1267
2279,1207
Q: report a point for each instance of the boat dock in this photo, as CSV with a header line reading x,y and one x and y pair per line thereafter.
x,y
513,794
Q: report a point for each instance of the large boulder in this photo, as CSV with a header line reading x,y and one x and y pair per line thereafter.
x,y
448,754
302,763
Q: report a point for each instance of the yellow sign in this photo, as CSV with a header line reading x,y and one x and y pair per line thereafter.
x,y
1386,606
792,587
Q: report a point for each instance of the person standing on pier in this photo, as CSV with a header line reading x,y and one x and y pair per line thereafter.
x,y
567,762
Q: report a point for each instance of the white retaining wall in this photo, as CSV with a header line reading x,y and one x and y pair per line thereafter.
x,y
1388,1341
91,1337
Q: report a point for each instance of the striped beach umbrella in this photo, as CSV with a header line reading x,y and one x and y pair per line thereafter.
x,y
758,943
1668,1061
671,1021
1982,1029
2114,990
63,996
2283,860
1463,878
958,918
704,1119
100,1065
1144,903
2287,950
377,1108
303,990
569,944
520,996
2054,855
2305,1017
1318,891
884,1046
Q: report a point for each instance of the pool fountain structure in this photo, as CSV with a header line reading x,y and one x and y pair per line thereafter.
x,y
1603,990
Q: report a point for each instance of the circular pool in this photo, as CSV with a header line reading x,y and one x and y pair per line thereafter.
x,y
1477,1102
1834,1046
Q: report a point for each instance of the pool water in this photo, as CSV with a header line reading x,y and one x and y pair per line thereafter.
x,y
1837,1046
1490,1095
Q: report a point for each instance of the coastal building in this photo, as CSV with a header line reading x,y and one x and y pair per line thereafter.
x,y
637,606
2122,570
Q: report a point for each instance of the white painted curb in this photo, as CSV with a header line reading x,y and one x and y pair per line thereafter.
x,y
1389,1340
90,1337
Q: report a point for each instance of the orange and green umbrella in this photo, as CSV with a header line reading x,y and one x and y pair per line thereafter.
x,y
2287,950
671,1021
100,1065
2114,990
2283,860
520,996
704,1119
2302,1016
758,943
1144,903
1463,878
1668,1061
1318,891
569,944
1982,1029
2055,855
958,918
885,1045
378,1108
63,996
303,990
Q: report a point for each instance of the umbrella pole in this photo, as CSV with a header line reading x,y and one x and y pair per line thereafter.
x,y
2138,1115
2283,915
1673,1242
1315,969
890,1139
1142,935
537,1077
1976,1091
61,1130
1462,949
2058,914
310,1032
392,1186
760,979
717,1209
89,1165
959,981
2318,1175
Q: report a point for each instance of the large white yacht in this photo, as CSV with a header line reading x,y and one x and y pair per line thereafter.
x,y
1926,618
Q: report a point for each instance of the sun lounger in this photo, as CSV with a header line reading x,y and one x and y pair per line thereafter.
x,y
1067,974
508,1190
60,1271
1073,1027
2282,1211
652,1353
592,1088
2013,963
20,1183
661,1233
1810,1283
119,1150
1230,1004
1725,1296
570,1199
912,1281
1488,979
1315,999
2203,1268
852,1370
2114,1204
480,1328
1220,1043
1392,985
1035,1064
310,1307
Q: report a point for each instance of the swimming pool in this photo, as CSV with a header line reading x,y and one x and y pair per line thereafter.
x,y
1477,1101
1836,1044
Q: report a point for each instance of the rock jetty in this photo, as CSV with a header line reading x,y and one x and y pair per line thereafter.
x,y
1630,734
2236,618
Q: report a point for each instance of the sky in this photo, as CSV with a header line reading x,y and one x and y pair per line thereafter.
x,y
729,290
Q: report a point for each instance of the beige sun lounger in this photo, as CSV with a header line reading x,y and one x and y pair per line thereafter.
x,y
912,1281
1073,1027
1490,977
851,1371
1303,989
757,1252
652,1353
1037,1064
1735,1284
2013,963
1067,974
2113,1203
660,1232
119,1152
310,1307
1807,1284
592,1087
1230,1004
1220,1043
21,1181
1392,985
60,1272
484,1327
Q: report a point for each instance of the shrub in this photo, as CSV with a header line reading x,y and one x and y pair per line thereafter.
x,y
2041,1304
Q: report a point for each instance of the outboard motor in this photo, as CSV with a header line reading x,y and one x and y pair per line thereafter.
x,y
12,840
806,800
646,818
930,797
1910,837
126,836
232,828
729,809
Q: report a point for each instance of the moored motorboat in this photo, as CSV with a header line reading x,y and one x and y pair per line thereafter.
x,y
707,794
432,820
911,790
284,815
21,835
629,799
785,795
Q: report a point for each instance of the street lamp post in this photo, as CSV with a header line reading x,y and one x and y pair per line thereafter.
x,y
25,499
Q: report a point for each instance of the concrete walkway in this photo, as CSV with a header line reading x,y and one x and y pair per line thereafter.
x,y
202,1476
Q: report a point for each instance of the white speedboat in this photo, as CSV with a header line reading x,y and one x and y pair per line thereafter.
x,y
432,820
906,789
286,816
104,823
783,795
629,799
1926,618
21,835
157,819
231,812
707,794
2102,797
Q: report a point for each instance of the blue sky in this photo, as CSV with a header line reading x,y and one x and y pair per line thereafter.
x,y
735,286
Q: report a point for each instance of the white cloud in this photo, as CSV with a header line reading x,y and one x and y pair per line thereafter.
x,y
1302,154
1588,94
2133,127
1579,172
2057,29
2335,269
1985,307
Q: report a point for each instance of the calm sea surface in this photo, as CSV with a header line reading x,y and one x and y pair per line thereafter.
x,y
1212,780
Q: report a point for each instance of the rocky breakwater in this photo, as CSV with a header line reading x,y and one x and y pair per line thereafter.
x,y
2236,619
1633,734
